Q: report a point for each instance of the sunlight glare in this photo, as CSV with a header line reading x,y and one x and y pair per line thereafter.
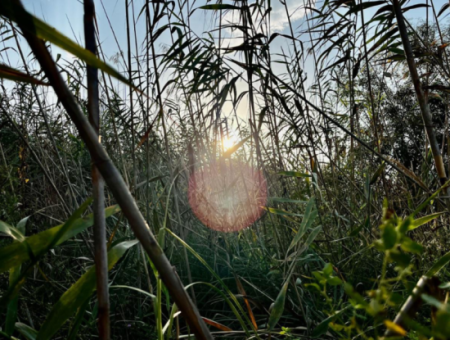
x,y
227,196
229,142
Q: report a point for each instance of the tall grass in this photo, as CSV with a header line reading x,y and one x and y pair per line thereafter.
x,y
345,115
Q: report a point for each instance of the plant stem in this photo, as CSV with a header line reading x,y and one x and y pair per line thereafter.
x,y
98,185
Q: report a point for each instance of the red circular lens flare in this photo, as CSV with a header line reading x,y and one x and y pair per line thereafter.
x,y
227,196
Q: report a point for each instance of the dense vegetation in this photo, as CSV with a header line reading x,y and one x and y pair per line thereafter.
x,y
294,176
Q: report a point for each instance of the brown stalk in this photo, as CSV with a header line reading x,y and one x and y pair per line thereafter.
x,y
98,185
130,79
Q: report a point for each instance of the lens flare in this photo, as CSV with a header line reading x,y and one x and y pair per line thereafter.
x,y
227,196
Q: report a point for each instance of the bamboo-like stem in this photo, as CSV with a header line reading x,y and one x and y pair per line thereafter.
x,y
426,285
114,180
423,103
98,185
130,77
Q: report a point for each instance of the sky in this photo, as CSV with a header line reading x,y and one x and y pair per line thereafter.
x,y
67,17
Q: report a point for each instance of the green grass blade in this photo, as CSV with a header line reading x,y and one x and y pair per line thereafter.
x,y
218,7
441,263
11,314
136,289
323,326
313,235
286,200
168,326
16,253
77,322
294,174
78,294
278,307
28,332
308,220
423,220
231,295
225,298
15,233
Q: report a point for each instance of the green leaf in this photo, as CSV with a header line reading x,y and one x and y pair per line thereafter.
x,y
137,290
313,285
411,246
282,212
308,220
294,174
323,326
11,314
431,300
39,28
334,281
278,307
224,286
78,294
21,226
423,220
77,322
16,253
389,237
328,269
66,226
217,7
319,276
356,231
445,285
441,263
28,332
286,200
365,5
9,73
168,325
5,228
402,259
312,236
20,279
377,173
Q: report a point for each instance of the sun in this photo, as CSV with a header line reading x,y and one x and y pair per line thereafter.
x,y
229,142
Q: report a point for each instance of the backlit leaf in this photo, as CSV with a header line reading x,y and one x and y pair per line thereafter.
x,y
16,253
44,31
278,307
